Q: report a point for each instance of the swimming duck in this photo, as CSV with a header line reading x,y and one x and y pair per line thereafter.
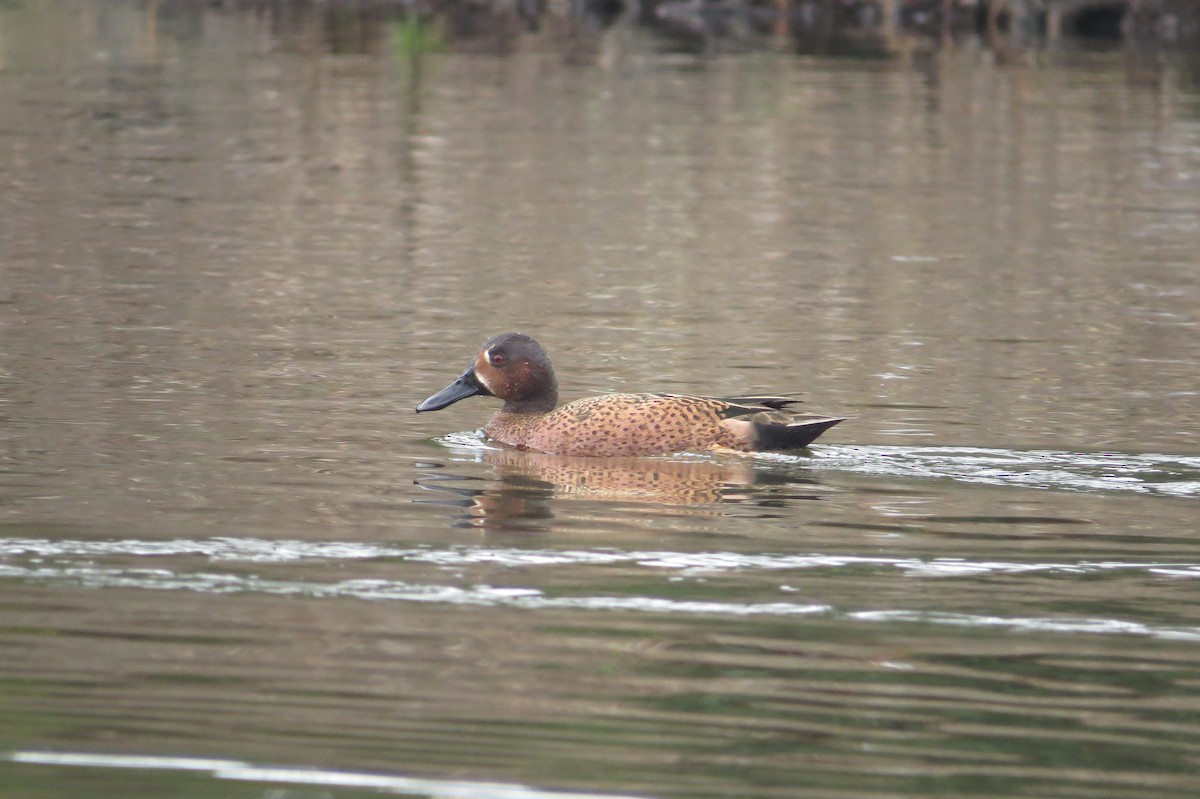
x,y
513,367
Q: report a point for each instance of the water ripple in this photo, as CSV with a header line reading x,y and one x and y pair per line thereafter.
x,y
390,590
259,550
373,589
1048,624
1072,471
237,770
1143,473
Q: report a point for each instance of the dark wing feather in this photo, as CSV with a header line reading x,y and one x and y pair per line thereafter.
x,y
761,402
773,409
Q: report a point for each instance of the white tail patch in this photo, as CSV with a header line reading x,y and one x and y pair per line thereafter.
x,y
741,428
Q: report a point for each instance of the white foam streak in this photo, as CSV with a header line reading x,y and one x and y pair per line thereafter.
x,y
236,770
256,550
1148,473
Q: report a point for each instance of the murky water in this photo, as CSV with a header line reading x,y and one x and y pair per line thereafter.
x,y
237,248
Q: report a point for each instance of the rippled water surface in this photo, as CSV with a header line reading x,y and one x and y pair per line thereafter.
x,y
237,247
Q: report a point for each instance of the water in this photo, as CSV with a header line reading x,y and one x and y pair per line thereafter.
x,y
237,248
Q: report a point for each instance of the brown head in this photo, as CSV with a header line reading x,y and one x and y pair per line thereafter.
x,y
512,367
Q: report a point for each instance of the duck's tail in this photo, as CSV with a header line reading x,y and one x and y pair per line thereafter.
x,y
794,434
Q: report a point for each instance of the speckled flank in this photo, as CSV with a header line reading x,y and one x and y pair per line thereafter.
x,y
620,424
513,367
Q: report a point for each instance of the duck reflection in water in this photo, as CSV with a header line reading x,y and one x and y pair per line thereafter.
x,y
529,485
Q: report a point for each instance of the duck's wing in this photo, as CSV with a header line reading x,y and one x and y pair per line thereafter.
x,y
759,402
740,405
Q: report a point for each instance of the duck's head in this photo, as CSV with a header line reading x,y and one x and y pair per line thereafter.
x,y
512,367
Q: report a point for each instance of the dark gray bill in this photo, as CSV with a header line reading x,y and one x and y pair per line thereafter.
x,y
465,386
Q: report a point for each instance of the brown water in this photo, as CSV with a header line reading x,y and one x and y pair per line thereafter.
x,y
237,248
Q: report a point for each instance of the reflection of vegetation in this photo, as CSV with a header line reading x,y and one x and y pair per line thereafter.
x,y
413,36
22,723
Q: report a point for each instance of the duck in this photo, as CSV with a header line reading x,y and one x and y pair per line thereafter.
x,y
513,367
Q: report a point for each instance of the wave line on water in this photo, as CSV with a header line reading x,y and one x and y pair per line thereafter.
x,y
272,551
536,599
1144,473
1147,473
391,590
1032,624
237,770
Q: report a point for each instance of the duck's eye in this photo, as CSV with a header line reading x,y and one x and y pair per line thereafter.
x,y
497,359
